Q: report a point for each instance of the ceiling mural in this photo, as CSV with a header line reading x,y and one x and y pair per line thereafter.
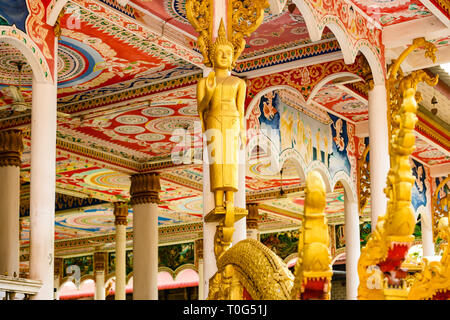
x,y
342,102
428,154
127,83
389,12
148,131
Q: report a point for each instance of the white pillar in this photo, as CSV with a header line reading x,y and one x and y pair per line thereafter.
x,y
145,251
42,187
99,273
209,228
99,285
240,227
10,151
121,212
145,198
379,150
352,247
427,228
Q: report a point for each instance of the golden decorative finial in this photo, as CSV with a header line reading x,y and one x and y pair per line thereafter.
x,y
379,266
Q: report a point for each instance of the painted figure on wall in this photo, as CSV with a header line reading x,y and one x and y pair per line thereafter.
x,y
269,119
220,100
419,189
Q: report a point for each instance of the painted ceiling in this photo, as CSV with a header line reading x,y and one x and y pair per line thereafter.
x,y
389,12
105,51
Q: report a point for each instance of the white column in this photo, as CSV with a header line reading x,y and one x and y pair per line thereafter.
x,y
42,187
427,227
379,150
209,228
10,151
145,198
240,227
352,247
99,285
145,251
100,259
121,212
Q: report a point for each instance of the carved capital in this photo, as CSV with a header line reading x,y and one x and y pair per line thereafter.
x,y
253,216
198,247
58,268
145,188
120,212
11,147
100,259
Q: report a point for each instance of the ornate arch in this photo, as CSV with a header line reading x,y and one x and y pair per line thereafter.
x,y
353,31
326,80
20,40
347,182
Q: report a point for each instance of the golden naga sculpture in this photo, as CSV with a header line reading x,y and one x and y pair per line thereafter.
x,y
434,281
250,270
313,270
379,266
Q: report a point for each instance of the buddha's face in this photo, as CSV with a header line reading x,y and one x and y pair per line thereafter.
x,y
223,57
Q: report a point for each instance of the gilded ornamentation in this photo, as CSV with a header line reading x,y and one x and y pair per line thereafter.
x,y
200,15
244,17
313,269
263,274
440,205
145,188
379,266
11,148
434,281
363,180
120,212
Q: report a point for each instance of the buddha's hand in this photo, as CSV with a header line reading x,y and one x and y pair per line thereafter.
x,y
243,138
211,82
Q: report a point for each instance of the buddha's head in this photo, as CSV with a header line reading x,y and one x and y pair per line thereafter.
x,y
222,51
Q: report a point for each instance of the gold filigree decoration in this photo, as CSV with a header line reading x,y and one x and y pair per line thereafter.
x,y
364,180
379,266
313,270
434,281
200,15
244,17
440,206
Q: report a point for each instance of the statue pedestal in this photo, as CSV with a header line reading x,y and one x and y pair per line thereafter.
x,y
217,214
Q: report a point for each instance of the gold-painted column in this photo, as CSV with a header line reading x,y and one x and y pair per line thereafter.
x,y
145,188
11,148
252,221
100,259
120,212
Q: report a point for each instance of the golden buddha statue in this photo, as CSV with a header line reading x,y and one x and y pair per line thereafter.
x,y
220,99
